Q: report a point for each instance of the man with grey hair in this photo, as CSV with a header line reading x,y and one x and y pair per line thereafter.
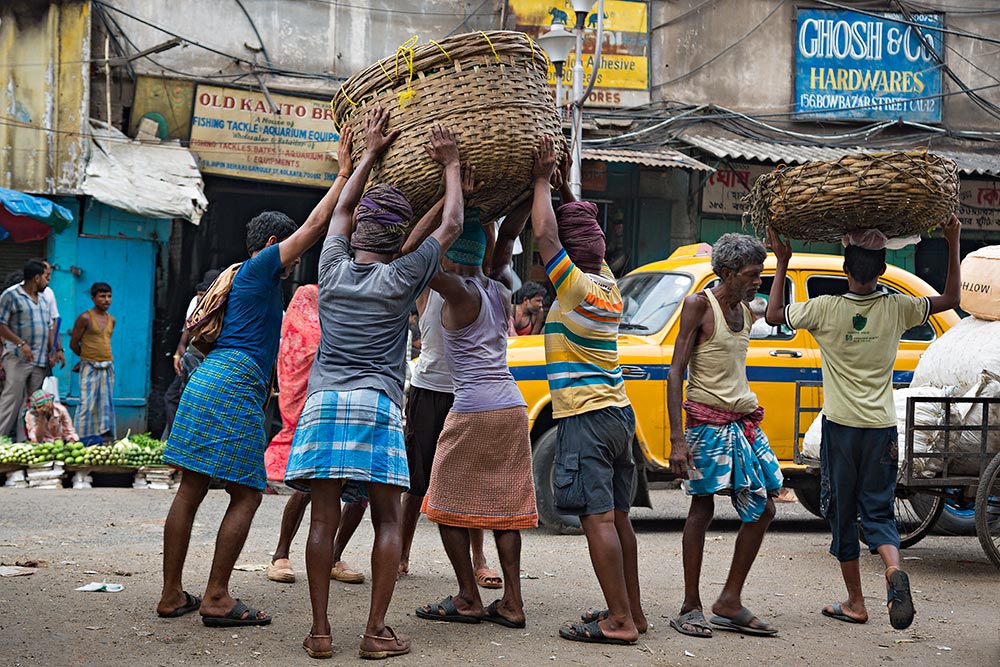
x,y
723,449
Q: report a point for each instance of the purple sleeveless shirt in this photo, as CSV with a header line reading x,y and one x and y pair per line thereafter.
x,y
477,355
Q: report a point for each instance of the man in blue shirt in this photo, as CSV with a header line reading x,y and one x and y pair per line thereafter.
x,y
26,329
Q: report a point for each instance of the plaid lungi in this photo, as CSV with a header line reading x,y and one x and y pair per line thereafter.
x,y
727,463
349,435
96,414
481,476
219,427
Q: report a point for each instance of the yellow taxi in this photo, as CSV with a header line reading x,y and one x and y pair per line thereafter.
x,y
778,357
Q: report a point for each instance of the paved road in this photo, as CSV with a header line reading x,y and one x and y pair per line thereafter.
x,y
43,621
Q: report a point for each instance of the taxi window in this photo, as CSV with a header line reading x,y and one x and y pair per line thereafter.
x,y
761,330
649,299
820,285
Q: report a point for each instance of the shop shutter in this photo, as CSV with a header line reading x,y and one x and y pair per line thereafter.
x,y
14,255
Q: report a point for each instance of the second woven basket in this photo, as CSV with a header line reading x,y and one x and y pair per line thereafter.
x,y
900,194
490,88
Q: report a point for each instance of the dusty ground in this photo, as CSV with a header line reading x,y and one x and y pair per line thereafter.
x,y
43,621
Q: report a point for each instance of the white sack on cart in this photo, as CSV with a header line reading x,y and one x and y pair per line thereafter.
x,y
925,413
971,414
960,355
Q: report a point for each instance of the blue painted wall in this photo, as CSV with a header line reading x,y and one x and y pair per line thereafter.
x,y
121,249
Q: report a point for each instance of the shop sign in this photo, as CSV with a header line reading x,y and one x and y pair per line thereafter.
x,y
724,191
850,65
236,133
594,176
623,78
979,205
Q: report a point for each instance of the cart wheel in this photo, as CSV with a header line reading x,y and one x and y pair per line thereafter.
x,y
913,523
988,511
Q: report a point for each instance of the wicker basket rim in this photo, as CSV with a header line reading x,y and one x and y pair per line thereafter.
x,y
435,55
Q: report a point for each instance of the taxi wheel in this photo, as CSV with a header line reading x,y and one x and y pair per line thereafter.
x,y
807,492
542,460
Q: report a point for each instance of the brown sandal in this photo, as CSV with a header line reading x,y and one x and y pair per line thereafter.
x,y
314,653
393,645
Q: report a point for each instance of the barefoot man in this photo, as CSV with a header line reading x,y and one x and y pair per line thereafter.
x,y
723,449
858,335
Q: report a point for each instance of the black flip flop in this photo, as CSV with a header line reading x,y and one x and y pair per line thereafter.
x,y
450,614
590,633
598,615
493,615
741,623
694,617
899,600
235,619
838,613
191,603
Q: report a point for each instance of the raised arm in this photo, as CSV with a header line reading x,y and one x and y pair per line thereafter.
x,y
692,313
543,217
376,144
952,294
444,150
503,250
424,228
782,248
318,221
565,191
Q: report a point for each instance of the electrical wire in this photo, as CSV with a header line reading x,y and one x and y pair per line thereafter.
x,y
393,10
263,49
943,29
681,16
724,51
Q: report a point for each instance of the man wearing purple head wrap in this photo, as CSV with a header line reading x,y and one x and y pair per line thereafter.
x,y
593,467
381,217
581,234
351,428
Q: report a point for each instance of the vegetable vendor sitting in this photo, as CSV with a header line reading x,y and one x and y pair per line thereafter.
x,y
47,420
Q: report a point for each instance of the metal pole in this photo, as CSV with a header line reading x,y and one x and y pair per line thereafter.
x,y
559,89
575,175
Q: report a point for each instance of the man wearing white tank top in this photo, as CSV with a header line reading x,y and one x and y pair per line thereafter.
x,y
722,450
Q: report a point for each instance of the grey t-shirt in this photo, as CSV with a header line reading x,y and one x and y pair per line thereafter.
x,y
364,312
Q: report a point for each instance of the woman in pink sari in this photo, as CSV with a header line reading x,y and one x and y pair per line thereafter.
x,y
299,339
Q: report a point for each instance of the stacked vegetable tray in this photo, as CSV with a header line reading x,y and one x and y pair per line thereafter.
x,y
126,455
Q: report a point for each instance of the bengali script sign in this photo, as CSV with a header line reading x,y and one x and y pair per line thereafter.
x,y
236,133
979,205
857,66
726,187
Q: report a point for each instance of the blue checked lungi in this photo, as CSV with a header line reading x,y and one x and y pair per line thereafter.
x,y
219,427
350,435
96,414
727,463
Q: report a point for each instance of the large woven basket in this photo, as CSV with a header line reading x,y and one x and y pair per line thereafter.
x,y
490,88
900,194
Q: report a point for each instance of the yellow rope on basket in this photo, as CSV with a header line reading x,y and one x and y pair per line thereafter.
x,y
406,50
446,54
385,71
344,93
486,37
333,109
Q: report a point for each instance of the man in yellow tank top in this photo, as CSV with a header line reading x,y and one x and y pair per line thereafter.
x,y
91,341
723,450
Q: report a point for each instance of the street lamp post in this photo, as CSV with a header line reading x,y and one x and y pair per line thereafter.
x,y
557,43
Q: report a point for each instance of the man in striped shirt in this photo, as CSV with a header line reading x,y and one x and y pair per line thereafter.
x,y
596,425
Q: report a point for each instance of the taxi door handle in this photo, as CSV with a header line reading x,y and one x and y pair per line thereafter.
x,y
785,353
634,372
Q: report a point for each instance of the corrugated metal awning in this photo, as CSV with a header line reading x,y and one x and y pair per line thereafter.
x,y
154,180
769,151
663,158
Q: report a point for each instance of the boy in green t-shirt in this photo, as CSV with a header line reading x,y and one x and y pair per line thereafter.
x,y
858,335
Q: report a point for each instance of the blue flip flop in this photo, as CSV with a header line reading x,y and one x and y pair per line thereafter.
x,y
899,600
838,613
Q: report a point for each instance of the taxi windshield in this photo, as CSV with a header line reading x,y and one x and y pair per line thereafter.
x,y
649,299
